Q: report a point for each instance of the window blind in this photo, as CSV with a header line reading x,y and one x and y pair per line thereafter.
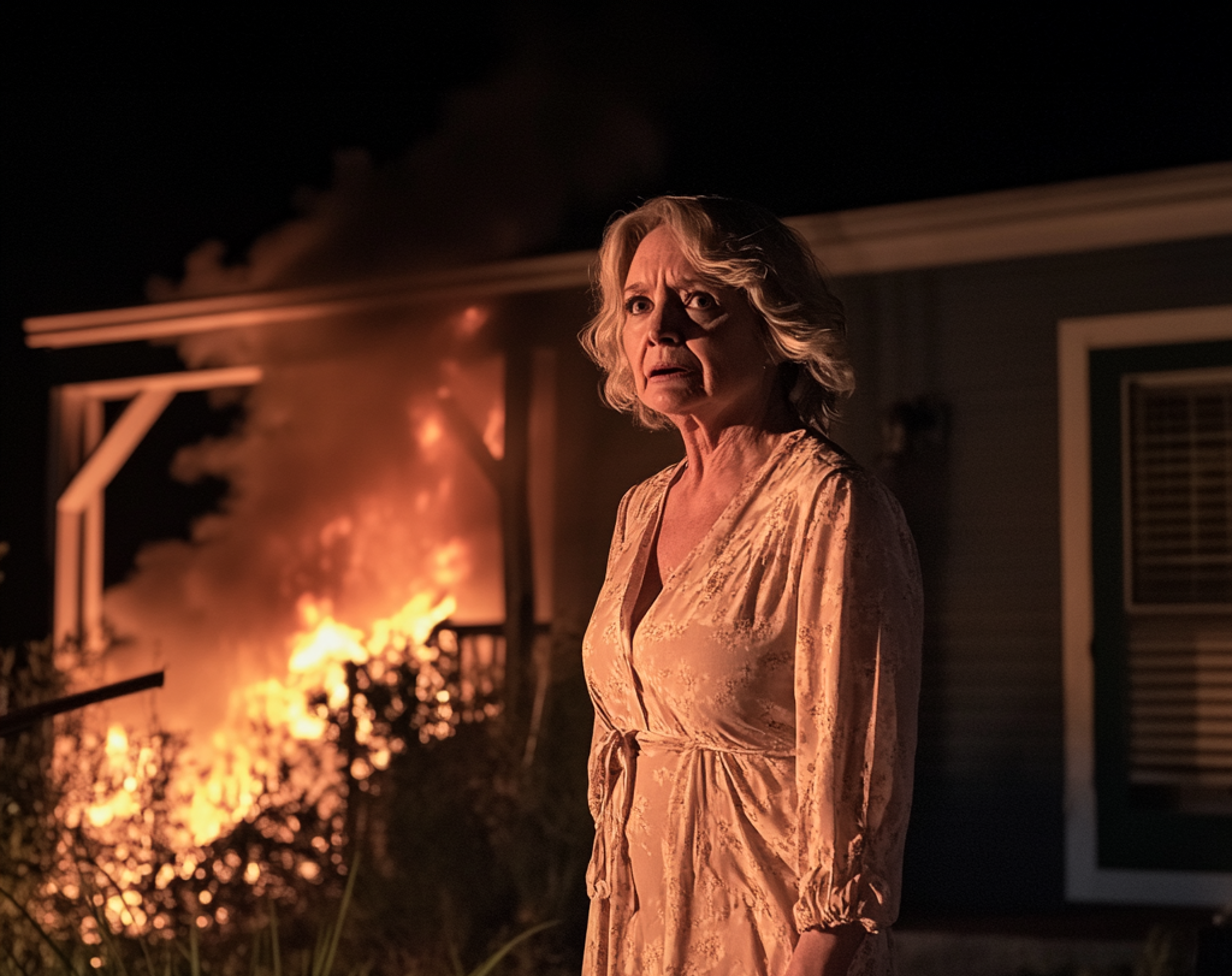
x,y
1179,593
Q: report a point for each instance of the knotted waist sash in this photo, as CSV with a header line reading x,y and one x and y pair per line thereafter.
x,y
614,766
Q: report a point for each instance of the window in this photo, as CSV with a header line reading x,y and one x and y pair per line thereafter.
x,y
1178,589
1146,472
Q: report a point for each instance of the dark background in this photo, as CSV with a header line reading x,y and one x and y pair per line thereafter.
x,y
130,139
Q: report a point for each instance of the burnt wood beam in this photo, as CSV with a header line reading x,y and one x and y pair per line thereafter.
x,y
20,719
468,436
509,476
516,536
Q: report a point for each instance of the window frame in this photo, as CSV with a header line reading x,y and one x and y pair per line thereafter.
x,y
1085,878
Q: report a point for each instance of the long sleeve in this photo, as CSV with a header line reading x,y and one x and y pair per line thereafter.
x,y
857,681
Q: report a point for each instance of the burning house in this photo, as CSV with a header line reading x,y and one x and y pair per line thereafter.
x,y
310,636
421,488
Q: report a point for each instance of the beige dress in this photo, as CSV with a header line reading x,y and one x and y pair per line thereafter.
x,y
750,773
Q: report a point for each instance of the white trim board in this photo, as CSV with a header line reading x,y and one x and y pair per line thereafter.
x,y
94,457
1065,218
1086,215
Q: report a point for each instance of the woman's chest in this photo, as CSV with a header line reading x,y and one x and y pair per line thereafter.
x,y
718,664
715,648
688,519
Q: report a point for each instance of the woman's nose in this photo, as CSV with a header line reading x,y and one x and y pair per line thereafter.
x,y
667,324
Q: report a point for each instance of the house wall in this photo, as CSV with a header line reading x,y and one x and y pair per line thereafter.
x,y
987,831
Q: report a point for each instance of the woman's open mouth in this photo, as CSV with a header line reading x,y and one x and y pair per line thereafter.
x,y
666,372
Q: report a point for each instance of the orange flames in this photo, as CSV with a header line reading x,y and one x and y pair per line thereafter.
x,y
280,729
245,759
273,724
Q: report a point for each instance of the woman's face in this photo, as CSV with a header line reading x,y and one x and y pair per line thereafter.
x,y
695,348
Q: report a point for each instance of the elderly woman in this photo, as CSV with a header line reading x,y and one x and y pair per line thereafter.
x,y
753,657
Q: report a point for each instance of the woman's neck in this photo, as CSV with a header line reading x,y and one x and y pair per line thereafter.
x,y
718,453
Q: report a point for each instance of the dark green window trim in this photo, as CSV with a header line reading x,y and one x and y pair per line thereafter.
x,y
1131,833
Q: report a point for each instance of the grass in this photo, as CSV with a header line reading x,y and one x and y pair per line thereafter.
x,y
183,956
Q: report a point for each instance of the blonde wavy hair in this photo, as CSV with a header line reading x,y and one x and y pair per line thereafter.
x,y
736,245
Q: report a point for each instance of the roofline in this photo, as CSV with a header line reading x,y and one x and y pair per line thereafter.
x,y
1085,215
1063,218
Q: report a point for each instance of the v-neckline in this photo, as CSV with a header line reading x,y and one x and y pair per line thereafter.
x,y
650,535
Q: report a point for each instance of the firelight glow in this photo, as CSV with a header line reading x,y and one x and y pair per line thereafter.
x,y
269,720
471,320
296,629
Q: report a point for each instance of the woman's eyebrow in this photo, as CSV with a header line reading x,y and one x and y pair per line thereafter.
x,y
681,284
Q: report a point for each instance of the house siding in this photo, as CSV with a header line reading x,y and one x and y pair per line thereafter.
x,y
988,826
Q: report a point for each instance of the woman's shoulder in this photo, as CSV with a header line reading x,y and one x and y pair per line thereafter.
x,y
820,469
812,460
642,500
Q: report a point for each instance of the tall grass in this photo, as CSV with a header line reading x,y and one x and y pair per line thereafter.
x,y
183,955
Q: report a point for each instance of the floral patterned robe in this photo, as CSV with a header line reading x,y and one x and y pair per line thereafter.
x,y
751,768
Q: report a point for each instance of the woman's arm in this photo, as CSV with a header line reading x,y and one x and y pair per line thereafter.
x,y
826,952
857,682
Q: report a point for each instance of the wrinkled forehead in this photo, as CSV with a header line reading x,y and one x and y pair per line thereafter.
x,y
664,250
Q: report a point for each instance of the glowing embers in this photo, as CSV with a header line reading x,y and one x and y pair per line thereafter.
x,y
402,675
393,675
114,853
150,824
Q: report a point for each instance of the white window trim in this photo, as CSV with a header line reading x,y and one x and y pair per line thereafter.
x,y
1085,880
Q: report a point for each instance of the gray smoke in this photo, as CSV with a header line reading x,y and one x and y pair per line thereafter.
x,y
510,160
334,489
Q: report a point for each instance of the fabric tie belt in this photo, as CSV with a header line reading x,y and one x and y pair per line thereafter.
x,y
613,768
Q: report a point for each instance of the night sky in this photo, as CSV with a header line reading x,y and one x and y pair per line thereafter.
x,y
127,143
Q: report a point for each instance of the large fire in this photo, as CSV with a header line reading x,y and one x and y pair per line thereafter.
x,y
406,538
276,743
316,669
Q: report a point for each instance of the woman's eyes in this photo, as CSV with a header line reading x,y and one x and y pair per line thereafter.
x,y
701,300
